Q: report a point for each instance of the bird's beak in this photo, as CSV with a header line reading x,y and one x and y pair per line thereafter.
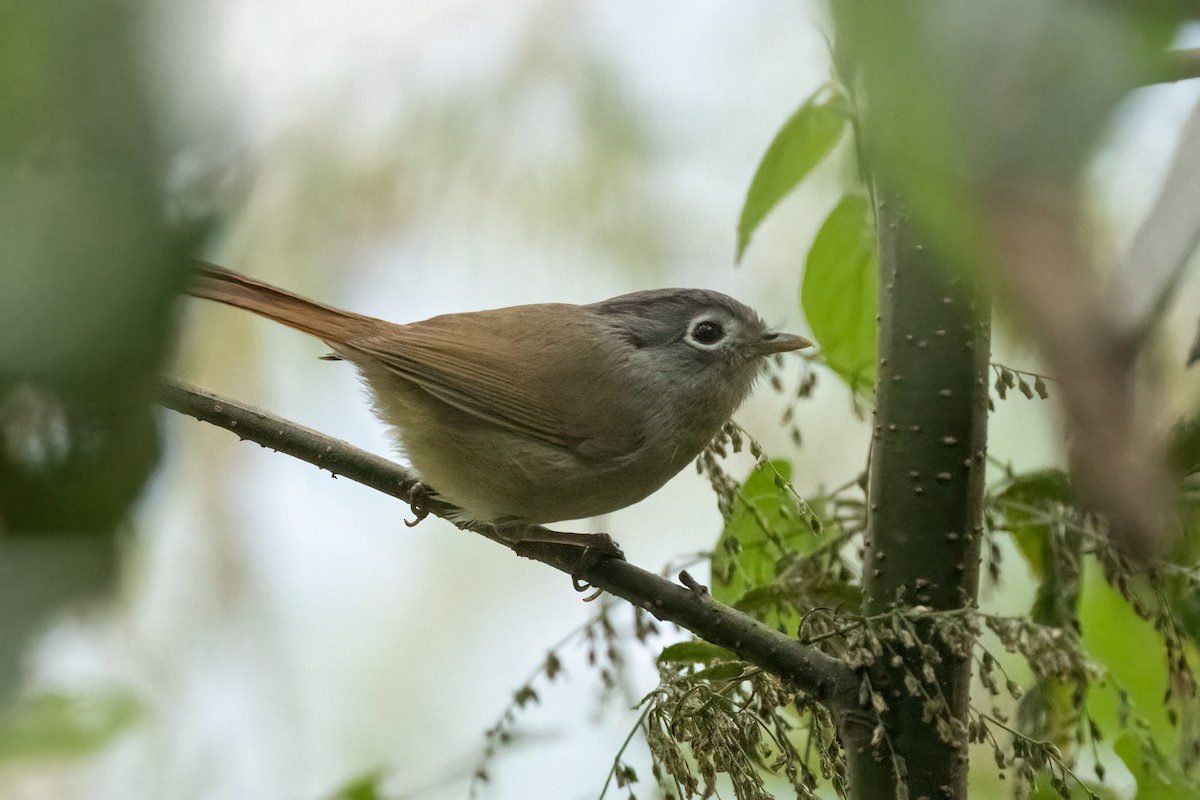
x,y
777,342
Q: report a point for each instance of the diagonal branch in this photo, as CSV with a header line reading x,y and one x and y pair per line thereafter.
x,y
817,674
1161,250
1180,65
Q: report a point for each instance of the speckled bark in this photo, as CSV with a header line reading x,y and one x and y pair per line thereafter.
x,y
926,490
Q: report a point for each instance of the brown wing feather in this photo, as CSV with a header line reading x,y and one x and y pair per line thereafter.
x,y
548,358
537,370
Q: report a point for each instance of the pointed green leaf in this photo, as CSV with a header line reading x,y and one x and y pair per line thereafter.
x,y
840,292
801,144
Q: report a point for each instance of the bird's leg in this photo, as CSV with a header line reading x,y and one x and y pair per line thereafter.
x,y
594,547
598,545
418,494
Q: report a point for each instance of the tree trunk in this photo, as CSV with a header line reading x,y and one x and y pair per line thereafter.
x,y
925,513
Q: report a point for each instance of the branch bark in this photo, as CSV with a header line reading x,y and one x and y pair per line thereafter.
x,y
820,676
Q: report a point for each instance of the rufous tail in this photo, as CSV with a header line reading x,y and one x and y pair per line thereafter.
x,y
325,322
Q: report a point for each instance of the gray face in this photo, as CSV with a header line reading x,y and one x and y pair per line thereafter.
x,y
698,328
687,358
693,357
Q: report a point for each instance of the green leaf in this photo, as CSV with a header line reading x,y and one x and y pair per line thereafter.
x,y
801,144
693,652
1038,515
1157,776
759,599
62,725
766,529
1023,504
840,292
1132,654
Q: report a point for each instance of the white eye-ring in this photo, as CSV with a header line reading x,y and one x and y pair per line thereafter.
x,y
707,332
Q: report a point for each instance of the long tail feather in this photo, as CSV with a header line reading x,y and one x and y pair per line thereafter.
x,y
325,322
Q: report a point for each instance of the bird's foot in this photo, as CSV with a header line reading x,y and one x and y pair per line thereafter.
x,y
595,548
417,497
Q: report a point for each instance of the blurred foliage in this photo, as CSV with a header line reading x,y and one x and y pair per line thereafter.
x,y
60,725
40,576
89,268
969,99
365,787
551,145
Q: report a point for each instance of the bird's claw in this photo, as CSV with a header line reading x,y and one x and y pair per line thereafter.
x,y
600,548
416,501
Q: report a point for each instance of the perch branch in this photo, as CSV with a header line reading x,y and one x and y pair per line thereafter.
x,y
819,675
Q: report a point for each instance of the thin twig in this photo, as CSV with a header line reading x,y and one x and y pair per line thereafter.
x,y
616,764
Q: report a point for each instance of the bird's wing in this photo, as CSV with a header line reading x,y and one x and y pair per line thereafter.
x,y
537,370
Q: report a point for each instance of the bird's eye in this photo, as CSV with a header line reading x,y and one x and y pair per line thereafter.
x,y
708,332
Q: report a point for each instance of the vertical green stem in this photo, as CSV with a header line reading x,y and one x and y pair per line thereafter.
x,y
926,503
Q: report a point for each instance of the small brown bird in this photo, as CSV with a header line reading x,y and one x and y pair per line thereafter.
x,y
547,412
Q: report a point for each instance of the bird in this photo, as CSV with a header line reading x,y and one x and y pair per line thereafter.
x,y
547,412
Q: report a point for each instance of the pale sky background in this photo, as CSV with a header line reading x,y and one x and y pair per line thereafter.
x,y
284,631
